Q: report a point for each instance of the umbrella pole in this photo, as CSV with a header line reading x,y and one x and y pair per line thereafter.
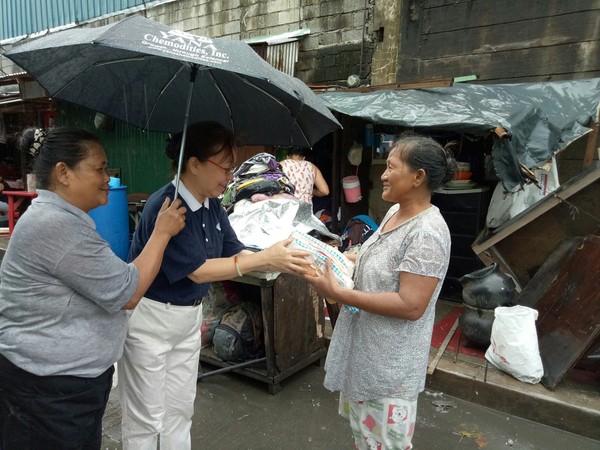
x,y
185,124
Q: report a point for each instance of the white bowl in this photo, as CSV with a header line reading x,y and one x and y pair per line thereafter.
x,y
459,182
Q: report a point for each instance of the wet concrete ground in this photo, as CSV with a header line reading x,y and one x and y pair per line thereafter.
x,y
235,412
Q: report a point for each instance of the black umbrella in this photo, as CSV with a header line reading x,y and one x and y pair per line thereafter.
x,y
160,79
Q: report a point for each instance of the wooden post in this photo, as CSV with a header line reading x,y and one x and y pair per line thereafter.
x,y
592,145
335,179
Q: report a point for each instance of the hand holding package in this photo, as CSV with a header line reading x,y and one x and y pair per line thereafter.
x,y
320,252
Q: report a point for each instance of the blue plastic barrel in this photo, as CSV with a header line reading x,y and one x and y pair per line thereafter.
x,y
112,221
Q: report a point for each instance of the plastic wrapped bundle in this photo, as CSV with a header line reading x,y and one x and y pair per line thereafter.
x,y
320,252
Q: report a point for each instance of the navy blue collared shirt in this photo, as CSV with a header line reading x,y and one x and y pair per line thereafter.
x,y
207,234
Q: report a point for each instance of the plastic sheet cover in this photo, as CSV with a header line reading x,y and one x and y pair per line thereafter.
x,y
259,225
542,118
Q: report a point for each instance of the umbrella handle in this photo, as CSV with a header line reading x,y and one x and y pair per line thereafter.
x,y
185,124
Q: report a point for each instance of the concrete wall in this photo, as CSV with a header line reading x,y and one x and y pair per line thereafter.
x,y
334,49
387,33
389,41
328,55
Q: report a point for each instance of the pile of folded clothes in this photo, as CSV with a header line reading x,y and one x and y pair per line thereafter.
x,y
258,178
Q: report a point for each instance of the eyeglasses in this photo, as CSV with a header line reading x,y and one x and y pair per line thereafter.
x,y
228,170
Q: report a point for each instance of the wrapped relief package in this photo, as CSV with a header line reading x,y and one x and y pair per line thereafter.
x,y
320,253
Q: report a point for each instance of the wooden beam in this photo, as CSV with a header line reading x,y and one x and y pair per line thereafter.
x,y
433,364
489,238
592,145
416,84
412,84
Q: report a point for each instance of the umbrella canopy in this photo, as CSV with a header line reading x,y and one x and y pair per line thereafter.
x,y
160,79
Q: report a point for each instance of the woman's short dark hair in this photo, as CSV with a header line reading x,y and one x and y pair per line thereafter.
x,y
300,151
203,140
61,144
422,152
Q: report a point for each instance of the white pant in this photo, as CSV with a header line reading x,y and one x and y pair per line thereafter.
x,y
158,375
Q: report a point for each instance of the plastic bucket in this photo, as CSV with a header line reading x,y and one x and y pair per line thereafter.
x,y
351,187
112,221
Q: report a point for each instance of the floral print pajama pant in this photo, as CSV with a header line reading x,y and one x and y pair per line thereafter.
x,y
381,424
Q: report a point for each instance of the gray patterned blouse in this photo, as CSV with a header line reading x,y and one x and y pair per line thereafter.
x,y
372,356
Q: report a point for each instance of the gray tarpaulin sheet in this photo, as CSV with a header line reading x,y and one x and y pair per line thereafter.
x,y
543,118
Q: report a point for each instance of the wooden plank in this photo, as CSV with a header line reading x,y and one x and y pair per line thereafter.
x,y
539,32
548,273
499,41
433,364
487,13
591,149
568,190
514,64
412,84
298,321
526,249
333,311
569,311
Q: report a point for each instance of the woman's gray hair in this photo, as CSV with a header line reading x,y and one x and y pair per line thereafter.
x,y
422,152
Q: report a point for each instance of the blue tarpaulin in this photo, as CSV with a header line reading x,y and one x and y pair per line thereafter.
x,y
541,118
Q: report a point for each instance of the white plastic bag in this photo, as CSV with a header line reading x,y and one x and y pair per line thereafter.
x,y
514,343
504,206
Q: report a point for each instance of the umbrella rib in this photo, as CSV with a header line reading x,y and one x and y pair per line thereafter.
x,y
101,64
162,91
125,103
137,58
232,125
123,60
244,80
146,99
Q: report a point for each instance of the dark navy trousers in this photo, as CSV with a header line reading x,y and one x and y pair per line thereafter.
x,y
51,412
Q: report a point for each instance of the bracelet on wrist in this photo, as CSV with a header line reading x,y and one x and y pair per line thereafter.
x,y
237,266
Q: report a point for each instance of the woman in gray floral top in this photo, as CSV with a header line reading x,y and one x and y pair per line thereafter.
x,y
379,351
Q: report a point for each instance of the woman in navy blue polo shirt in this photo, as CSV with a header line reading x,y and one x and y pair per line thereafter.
x,y
158,370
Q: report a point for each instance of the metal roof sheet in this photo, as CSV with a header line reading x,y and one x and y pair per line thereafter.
x,y
20,18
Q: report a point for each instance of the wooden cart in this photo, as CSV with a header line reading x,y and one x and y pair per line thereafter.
x,y
293,320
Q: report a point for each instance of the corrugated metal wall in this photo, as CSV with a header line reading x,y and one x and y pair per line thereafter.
x,y
23,17
140,155
281,56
